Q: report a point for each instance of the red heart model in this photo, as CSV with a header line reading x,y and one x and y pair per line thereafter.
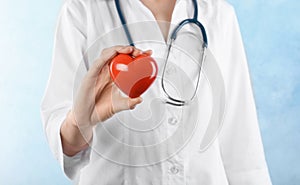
x,y
133,76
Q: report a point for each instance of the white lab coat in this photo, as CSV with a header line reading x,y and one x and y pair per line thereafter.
x,y
236,157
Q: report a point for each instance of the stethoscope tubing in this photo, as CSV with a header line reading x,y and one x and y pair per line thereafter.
x,y
124,24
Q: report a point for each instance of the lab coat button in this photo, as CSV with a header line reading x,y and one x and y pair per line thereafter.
x,y
174,170
172,121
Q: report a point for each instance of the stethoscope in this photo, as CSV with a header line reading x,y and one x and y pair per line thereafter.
x,y
171,100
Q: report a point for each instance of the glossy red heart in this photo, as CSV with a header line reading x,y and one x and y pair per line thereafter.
x,y
133,76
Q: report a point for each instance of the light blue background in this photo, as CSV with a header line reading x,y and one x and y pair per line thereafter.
x,y
271,32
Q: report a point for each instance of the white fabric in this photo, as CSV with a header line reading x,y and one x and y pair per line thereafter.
x,y
235,158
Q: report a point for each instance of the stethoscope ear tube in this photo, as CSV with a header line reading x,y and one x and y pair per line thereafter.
x,y
189,21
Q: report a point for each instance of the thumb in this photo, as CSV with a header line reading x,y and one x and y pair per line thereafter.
x,y
128,103
132,102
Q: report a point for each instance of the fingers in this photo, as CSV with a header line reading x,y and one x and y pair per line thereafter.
x,y
106,55
136,52
148,52
126,50
109,53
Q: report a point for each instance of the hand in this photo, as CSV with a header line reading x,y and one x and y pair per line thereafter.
x,y
98,98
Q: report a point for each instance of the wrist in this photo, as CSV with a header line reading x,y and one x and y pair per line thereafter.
x,y
70,120
72,125
73,138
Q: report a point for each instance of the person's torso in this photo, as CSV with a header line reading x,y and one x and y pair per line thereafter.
x,y
157,143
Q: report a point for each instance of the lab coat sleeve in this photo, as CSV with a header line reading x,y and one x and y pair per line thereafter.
x,y
69,46
240,140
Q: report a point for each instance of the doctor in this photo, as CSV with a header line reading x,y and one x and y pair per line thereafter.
x,y
71,124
